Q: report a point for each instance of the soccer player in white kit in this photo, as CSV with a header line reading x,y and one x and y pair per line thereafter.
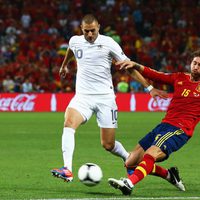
x,y
94,54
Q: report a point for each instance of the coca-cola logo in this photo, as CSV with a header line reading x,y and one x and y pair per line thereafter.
x,y
21,102
159,104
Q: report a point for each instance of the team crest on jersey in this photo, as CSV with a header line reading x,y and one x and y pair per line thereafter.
x,y
195,94
99,46
198,87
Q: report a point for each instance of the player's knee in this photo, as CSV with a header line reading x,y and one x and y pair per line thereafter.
x,y
156,153
69,123
108,146
130,163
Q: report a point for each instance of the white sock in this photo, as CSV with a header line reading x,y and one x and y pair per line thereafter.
x,y
120,151
168,176
68,144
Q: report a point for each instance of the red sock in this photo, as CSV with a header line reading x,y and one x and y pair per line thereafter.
x,y
144,168
159,171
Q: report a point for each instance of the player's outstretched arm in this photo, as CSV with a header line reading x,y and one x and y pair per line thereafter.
x,y
136,74
128,64
63,69
153,91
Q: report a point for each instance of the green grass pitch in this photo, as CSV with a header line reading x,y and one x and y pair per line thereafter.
x,y
30,146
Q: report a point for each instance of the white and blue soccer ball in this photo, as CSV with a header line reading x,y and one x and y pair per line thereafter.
x,y
90,174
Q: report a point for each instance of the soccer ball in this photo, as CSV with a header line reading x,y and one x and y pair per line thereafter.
x,y
90,174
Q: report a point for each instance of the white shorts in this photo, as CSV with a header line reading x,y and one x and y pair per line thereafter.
x,y
103,106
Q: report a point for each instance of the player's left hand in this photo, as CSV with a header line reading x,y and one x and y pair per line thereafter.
x,y
158,93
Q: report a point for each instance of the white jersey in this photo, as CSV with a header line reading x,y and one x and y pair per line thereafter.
x,y
94,63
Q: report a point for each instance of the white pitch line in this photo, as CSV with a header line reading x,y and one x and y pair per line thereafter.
x,y
133,198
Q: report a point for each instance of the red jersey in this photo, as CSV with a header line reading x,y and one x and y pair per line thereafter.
x,y
184,108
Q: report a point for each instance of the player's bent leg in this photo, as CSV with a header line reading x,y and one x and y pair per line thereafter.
x,y
124,184
120,151
62,173
134,158
107,138
175,178
173,171
110,144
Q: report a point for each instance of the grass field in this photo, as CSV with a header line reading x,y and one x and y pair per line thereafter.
x,y
30,146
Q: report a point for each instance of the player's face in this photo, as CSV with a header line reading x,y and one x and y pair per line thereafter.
x,y
90,31
195,69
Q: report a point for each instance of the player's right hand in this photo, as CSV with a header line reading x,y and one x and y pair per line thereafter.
x,y
158,93
63,71
126,64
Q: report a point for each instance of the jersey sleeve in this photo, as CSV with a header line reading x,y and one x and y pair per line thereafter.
x,y
116,51
72,40
167,78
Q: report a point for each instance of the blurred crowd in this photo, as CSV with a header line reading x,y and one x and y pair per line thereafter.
x,y
34,36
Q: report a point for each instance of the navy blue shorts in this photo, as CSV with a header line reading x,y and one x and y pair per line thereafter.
x,y
167,137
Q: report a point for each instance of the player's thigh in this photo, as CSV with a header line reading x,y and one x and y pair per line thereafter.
x,y
78,111
163,140
107,135
73,118
156,153
169,141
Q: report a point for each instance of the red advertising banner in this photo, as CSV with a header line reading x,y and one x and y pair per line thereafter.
x,y
47,102
25,102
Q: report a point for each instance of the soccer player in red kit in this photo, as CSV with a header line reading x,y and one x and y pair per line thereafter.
x,y
177,127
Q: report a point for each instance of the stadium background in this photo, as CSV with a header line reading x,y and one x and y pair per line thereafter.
x,y
34,37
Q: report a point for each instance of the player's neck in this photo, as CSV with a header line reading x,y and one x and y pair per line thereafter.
x,y
194,79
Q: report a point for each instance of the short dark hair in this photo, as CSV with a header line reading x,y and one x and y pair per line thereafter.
x,y
195,54
89,18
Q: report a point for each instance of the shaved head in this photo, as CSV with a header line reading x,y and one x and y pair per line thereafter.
x,y
89,19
